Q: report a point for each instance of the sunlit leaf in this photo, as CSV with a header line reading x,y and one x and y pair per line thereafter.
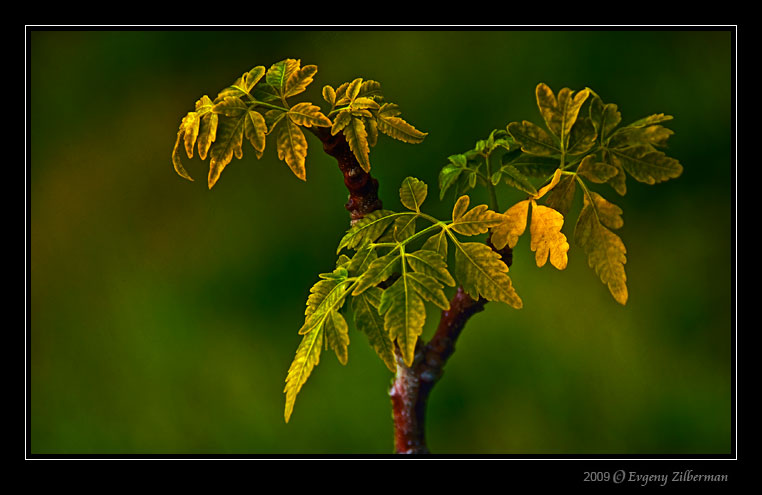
x,y
431,263
396,127
367,229
329,95
299,79
437,243
337,335
306,114
477,220
404,316
292,147
513,226
307,357
547,239
560,113
378,271
280,72
357,138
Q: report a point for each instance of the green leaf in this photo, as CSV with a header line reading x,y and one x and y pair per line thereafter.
x,y
647,165
378,271
357,138
477,220
279,73
482,273
404,316
605,251
367,229
361,260
514,178
306,114
367,319
413,193
533,139
431,263
560,114
337,335
450,173
292,147
396,127
327,295
437,243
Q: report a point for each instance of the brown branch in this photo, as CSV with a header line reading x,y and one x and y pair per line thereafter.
x,y
412,385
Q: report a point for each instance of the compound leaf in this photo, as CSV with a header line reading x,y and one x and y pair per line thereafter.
x,y
533,139
255,130
279,73
228,143
646,165
404,316
396,127
299,79
560,113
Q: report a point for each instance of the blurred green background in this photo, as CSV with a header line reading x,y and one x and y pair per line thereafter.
x,y
164,316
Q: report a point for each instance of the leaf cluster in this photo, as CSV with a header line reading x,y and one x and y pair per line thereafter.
x,y
389,269
256,106
580,143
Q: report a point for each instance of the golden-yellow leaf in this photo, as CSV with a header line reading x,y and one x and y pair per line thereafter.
x,y
547,239
292,147
553,182
514,224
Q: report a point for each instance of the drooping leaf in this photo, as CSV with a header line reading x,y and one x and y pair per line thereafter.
x,y
560,113
255,130
337,335
513,226
413,193
606,253
227,144
533,139
547,239
367,319
357,138
292,147
176,160
608,213
306,114
404,316
548,187
207,133
481,272
191,124
307,357
396,127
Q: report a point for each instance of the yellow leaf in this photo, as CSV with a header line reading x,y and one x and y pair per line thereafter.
x,y
299,80
307,115
514,224
477,220
357,138
307,357
560,114
547,238
543,190
292,147
461,205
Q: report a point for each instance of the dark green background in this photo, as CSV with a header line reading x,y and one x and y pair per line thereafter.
x,y
164,316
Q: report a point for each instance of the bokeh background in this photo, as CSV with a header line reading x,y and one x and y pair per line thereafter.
x,y
164,316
